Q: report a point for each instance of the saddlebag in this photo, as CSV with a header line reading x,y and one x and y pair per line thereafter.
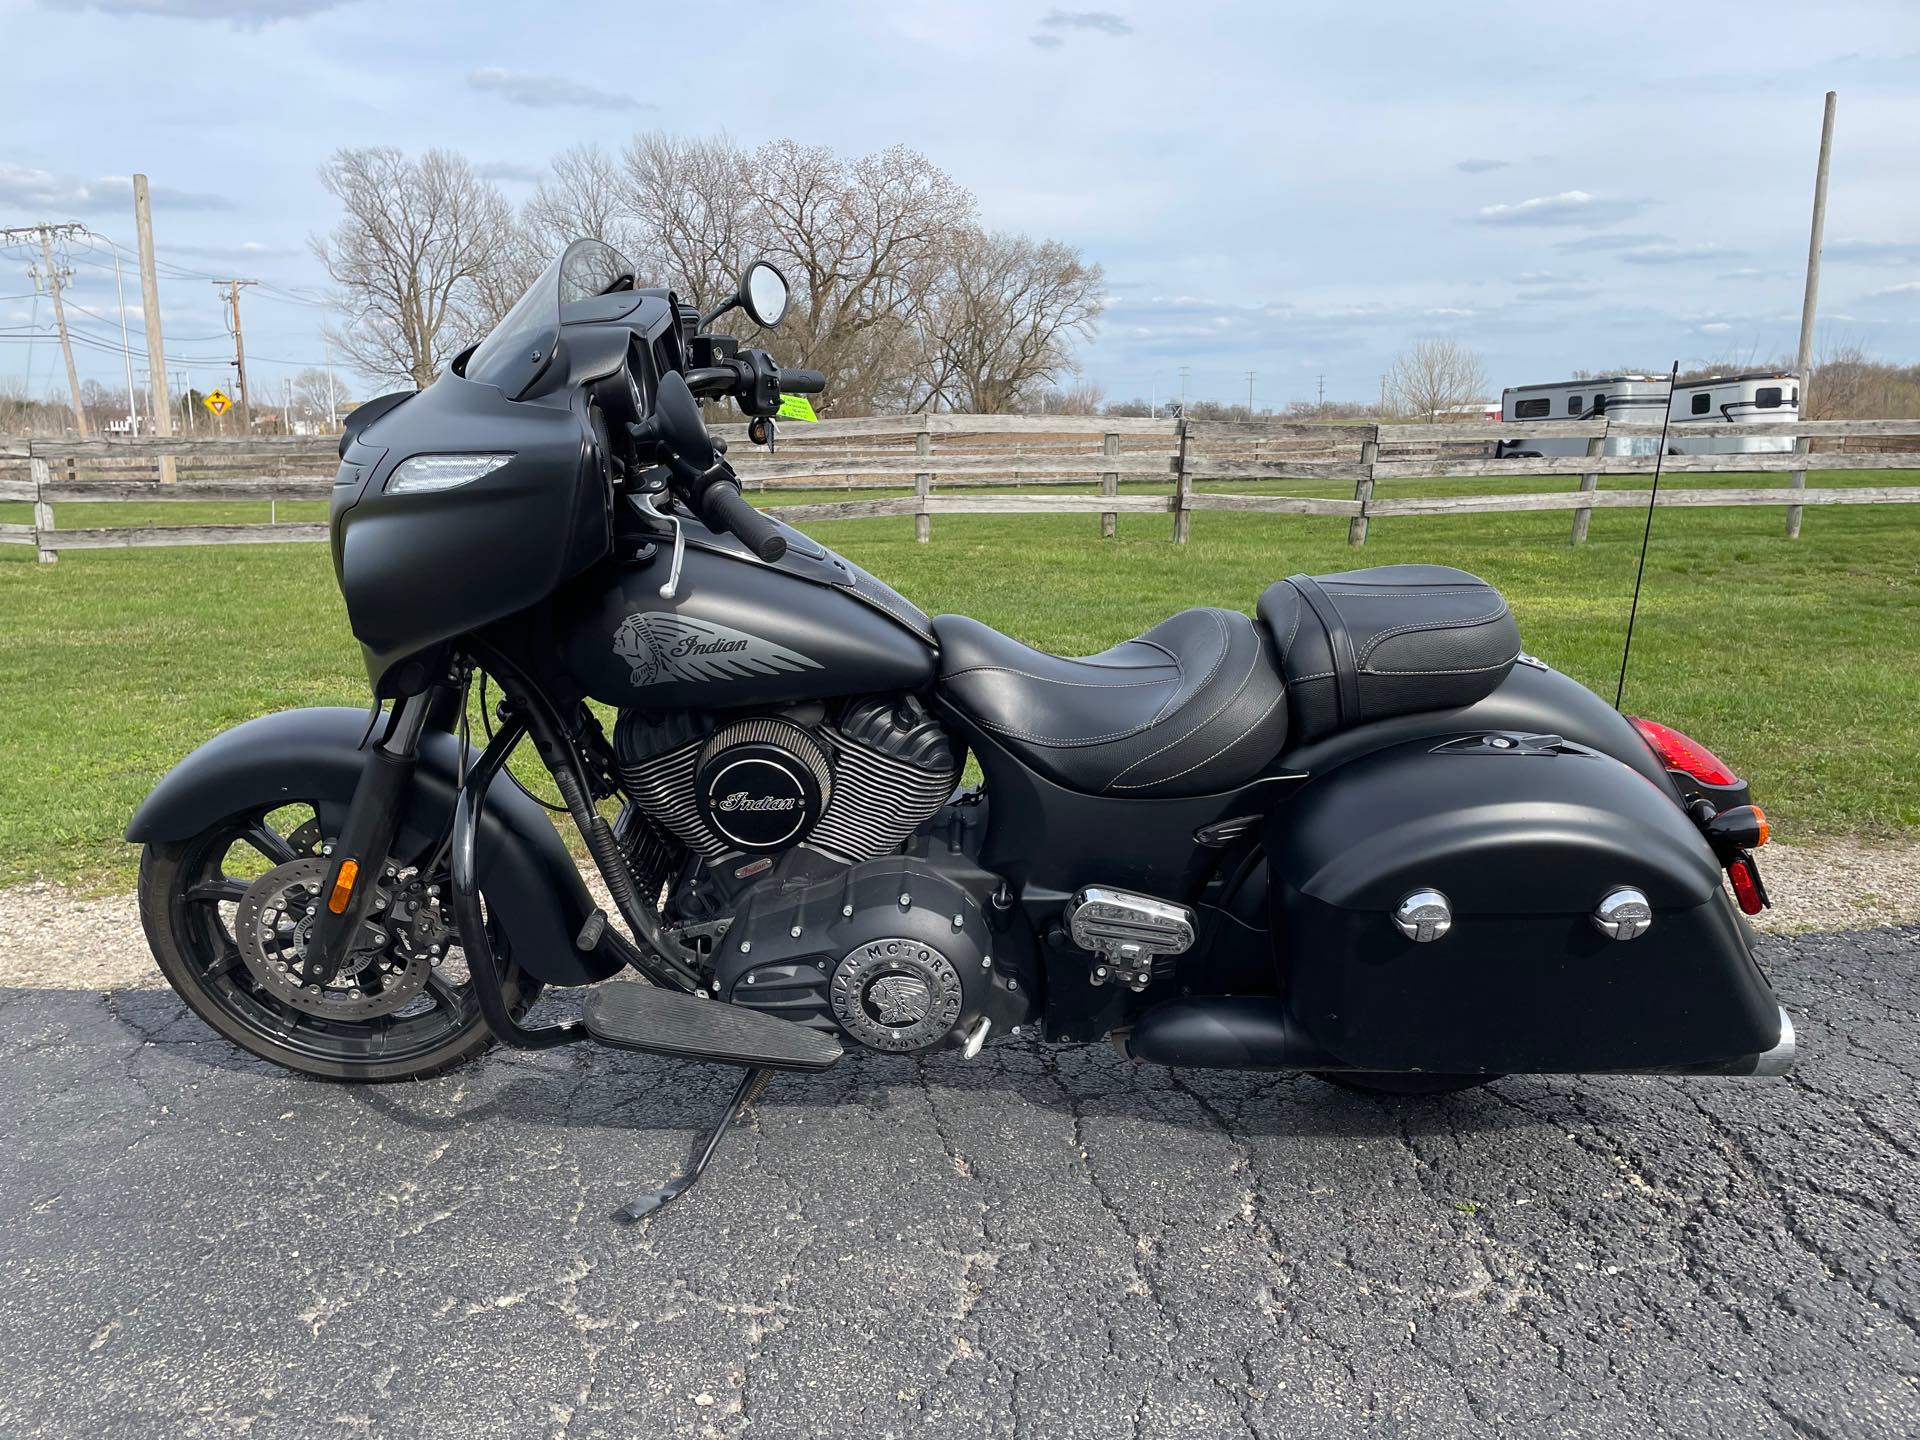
x,y
1522,837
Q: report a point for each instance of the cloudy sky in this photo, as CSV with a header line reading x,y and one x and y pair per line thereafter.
x,y
1295,189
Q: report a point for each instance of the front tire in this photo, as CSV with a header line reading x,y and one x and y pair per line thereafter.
x,y
189,898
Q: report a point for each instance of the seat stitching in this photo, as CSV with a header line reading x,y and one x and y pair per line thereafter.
x,y
1466,624
1462,670
1447,594
1258,658
923,627
1057,742
1293,629
1149,784
1051,680
1317,675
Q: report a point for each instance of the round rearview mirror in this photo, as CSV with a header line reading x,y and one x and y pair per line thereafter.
x,y
764,293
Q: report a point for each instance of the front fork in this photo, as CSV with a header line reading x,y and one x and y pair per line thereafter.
x,y
361,852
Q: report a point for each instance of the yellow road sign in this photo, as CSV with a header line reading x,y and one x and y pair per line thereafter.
x,y
217,401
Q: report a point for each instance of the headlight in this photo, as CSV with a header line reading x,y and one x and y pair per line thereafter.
x,y
441,472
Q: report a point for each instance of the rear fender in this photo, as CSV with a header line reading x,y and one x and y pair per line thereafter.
x,y
531,884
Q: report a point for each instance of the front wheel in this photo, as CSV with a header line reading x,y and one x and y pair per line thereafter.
x,y
227,913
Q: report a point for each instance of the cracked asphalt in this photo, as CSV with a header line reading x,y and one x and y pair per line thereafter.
x,y
1042,1242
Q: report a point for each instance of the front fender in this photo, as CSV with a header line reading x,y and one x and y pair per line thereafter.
x,y
532,887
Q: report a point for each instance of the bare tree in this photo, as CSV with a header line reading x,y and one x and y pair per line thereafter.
x,y
588,197
865,243
415,257
318,395
1434,375
691,204
1003,319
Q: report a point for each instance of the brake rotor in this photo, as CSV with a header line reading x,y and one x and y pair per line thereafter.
x,y
272,926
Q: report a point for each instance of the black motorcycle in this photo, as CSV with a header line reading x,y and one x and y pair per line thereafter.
x,y
1359,833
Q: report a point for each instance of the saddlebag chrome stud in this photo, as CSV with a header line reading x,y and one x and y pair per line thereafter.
x,y
1423,916
1624,914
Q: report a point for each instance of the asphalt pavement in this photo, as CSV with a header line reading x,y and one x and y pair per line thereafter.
x,y
1040,1242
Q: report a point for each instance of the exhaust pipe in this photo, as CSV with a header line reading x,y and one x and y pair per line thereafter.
x,y
1256,1032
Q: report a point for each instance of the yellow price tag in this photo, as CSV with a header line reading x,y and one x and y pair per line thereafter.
x,y
796,407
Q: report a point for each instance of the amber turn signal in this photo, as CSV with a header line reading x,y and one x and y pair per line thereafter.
x,y
1742,828
343,886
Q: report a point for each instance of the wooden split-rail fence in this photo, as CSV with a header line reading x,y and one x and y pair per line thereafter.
x,y
1025,465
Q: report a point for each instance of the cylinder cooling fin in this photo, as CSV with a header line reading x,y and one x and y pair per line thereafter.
x,y
851,786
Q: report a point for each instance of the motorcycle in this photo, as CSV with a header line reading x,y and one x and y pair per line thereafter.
x,y
1358,833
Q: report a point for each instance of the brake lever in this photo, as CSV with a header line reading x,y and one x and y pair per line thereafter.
x,y
646,505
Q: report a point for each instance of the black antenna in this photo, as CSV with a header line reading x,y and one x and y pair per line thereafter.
x,y
1659,460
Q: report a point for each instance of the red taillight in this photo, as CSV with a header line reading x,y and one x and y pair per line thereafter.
x,y
1746,887
1682,752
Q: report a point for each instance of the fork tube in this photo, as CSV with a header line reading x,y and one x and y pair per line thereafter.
x,y
386,779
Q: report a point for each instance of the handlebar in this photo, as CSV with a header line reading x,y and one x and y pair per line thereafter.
x,y
802,382
723,509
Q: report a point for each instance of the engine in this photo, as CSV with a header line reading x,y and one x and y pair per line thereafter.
x,y
829,898
849,786
906,952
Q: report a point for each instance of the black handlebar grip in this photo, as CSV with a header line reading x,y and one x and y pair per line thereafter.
x,y
802,382
723,509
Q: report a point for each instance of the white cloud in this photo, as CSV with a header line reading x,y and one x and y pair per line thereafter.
x,y
1569,207
1669,254
244,14
29,189
547,92
509,170
1104,22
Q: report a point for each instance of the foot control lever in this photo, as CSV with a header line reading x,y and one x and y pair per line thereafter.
x,y
751,1086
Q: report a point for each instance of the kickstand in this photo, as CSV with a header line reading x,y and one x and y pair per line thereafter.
x,y
749,1090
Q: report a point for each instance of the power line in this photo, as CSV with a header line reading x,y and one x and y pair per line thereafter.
x,y
57,278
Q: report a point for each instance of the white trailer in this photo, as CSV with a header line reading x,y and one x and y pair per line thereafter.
x,y
1619,397
1757,395
1695,405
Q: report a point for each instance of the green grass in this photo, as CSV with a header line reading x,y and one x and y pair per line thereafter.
x,y
1799,662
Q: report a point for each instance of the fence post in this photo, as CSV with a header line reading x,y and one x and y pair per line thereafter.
x,y
1109,485
42,507
1182,516
1583,514
922,488
1363,488
1798,481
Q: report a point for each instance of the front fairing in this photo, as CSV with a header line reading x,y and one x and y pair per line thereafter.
x,y
417,570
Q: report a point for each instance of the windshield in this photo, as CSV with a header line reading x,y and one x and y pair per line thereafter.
x,y
516,350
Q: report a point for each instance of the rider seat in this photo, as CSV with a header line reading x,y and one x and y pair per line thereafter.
x,y
1192,707
1204,701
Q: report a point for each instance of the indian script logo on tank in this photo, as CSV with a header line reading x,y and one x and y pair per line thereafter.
x,y
659,647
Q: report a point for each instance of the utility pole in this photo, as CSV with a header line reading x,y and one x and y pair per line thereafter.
x,y
56,279
1321,401
1810,303
1383,397
160,407
333,395
239,346
1803,361
1250,375
1183,392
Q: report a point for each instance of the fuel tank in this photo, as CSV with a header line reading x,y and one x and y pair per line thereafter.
x,y
738,632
